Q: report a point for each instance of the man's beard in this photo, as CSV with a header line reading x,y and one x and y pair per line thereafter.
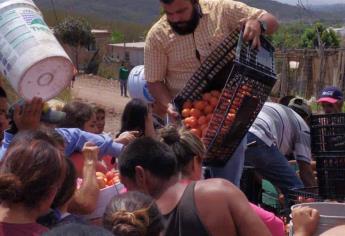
x,y
187,27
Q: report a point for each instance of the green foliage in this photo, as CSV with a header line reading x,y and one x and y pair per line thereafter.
x,y
117,37
288,35
74,32
300,35
328,37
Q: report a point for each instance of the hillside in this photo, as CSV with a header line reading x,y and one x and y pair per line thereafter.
x,y
146,11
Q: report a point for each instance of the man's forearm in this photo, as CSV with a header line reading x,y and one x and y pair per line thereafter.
x,y
160,93
271,21
306,174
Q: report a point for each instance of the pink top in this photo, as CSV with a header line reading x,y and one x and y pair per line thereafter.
x,y
273,223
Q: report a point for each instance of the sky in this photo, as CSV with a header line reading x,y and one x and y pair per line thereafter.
x,y
312,2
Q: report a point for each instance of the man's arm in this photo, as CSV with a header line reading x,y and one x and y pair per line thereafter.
x,y
306,174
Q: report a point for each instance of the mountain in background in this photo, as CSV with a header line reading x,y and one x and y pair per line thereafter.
x,y
145,12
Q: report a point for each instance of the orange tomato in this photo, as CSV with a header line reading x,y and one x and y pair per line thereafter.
x,y
214,102
196,132
208,109
215,93
187,104
230,117
200,105
195,112
186,112
209,117
206,96
202,120
193,122
186,122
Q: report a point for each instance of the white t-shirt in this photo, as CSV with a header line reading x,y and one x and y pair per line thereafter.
x,y
279,125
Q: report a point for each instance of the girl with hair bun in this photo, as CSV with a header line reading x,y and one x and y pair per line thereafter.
x,y
133,214
189,151
30,175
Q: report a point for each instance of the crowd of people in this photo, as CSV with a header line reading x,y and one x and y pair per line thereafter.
x,y
45,152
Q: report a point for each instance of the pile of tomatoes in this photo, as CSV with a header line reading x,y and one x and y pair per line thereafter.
x,y
198,114
108,179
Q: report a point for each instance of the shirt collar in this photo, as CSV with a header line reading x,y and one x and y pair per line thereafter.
x,y
205,7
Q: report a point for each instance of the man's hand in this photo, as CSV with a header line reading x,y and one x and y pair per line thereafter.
x,y
90,152
28,117
127,137
305,221
252,32
172,113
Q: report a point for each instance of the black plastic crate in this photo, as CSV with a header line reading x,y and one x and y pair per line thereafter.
x,y
331,175
246,77
328,133
303,195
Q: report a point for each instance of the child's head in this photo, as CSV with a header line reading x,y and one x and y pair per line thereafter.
x,y
79,115
134,115
100,118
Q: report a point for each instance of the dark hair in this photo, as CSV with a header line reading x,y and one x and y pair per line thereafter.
x,y
29,170
2,93
286,100
133,214
97,109
133,116
78,230
77,114
68,186
151,155
184,144
54,137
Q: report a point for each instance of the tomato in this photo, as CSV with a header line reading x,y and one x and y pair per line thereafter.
x,y
200,105
207,96
215,93
202,120
187,104
193,122
208,109
195,112
110,175
310,199
214,102
186,112
196,132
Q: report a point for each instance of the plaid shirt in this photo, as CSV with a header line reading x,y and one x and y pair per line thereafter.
x,y
171,58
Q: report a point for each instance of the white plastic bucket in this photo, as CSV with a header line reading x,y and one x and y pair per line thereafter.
x,y
331,214
31,58
137,85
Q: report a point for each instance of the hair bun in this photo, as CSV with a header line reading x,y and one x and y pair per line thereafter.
x,y
170,135
125,222
10,188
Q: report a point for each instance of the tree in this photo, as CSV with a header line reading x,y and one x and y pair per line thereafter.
x,y
76,33
117,37
328,37
288,35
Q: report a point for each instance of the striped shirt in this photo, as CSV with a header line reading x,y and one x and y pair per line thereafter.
x,y
171,58
279,125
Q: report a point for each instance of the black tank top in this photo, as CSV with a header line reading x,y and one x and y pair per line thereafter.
x,y
184,219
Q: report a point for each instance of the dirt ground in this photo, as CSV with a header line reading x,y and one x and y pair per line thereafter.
x,y
96,90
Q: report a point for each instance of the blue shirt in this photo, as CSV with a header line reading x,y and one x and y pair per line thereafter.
x,y
74,142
